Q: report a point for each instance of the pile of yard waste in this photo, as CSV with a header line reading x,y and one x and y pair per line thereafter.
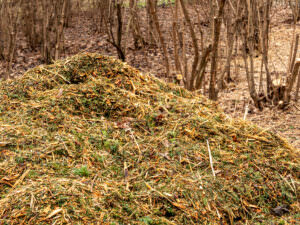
x,y
91,140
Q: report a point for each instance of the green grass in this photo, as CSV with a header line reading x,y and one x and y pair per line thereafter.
x,y
82,171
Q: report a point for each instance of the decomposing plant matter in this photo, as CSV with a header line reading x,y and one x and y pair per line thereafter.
x,y
91,140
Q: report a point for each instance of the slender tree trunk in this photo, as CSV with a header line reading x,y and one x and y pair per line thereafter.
x,y
195,45
60,29
248,45
214,58
161,37
174,37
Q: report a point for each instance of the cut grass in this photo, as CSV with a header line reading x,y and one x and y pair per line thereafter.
x,y
91,140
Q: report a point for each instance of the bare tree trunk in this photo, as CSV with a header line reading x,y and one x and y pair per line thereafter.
x,y
194,80
174,37
201,68
295,6
294,54
184,57
293,73
138,39
100,13
116,41
46,52
60,28
290,83
265,43
53,15
151,36
11,15
230,32
161,38
121,52
195,46
249,42
213,94
297,89
68,13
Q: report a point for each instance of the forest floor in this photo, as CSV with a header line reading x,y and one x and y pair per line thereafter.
x,y
234,100
80,37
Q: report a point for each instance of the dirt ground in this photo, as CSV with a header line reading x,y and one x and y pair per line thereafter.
x,y
234,101
80,37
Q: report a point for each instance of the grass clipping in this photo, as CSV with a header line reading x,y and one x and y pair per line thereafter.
x,y
90,140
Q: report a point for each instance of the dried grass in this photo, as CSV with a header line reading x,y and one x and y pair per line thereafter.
x,y
90,140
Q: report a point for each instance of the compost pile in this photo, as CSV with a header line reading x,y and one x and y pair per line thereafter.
x,y
91,140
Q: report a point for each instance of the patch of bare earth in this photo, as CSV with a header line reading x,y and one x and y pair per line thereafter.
x,y
235,100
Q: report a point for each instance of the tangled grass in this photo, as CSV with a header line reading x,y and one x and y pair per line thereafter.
x,y
90,140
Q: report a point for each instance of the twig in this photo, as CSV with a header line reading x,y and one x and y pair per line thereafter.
x,y
246,111
233,9
134,139
56,74
285,180
21,178
93,182
210,160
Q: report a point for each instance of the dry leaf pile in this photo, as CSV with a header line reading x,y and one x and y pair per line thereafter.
x,y
90,140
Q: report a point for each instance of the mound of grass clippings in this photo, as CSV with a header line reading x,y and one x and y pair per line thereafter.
x,y
90,140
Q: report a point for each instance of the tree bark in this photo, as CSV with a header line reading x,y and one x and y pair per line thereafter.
x,y
213,94
161,37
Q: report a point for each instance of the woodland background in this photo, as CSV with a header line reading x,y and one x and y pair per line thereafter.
x,y
241,53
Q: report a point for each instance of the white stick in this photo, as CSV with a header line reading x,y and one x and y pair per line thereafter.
x,y
246,111
210,159
133,137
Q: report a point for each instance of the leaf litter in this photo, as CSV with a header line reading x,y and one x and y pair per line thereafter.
x,y
91,140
